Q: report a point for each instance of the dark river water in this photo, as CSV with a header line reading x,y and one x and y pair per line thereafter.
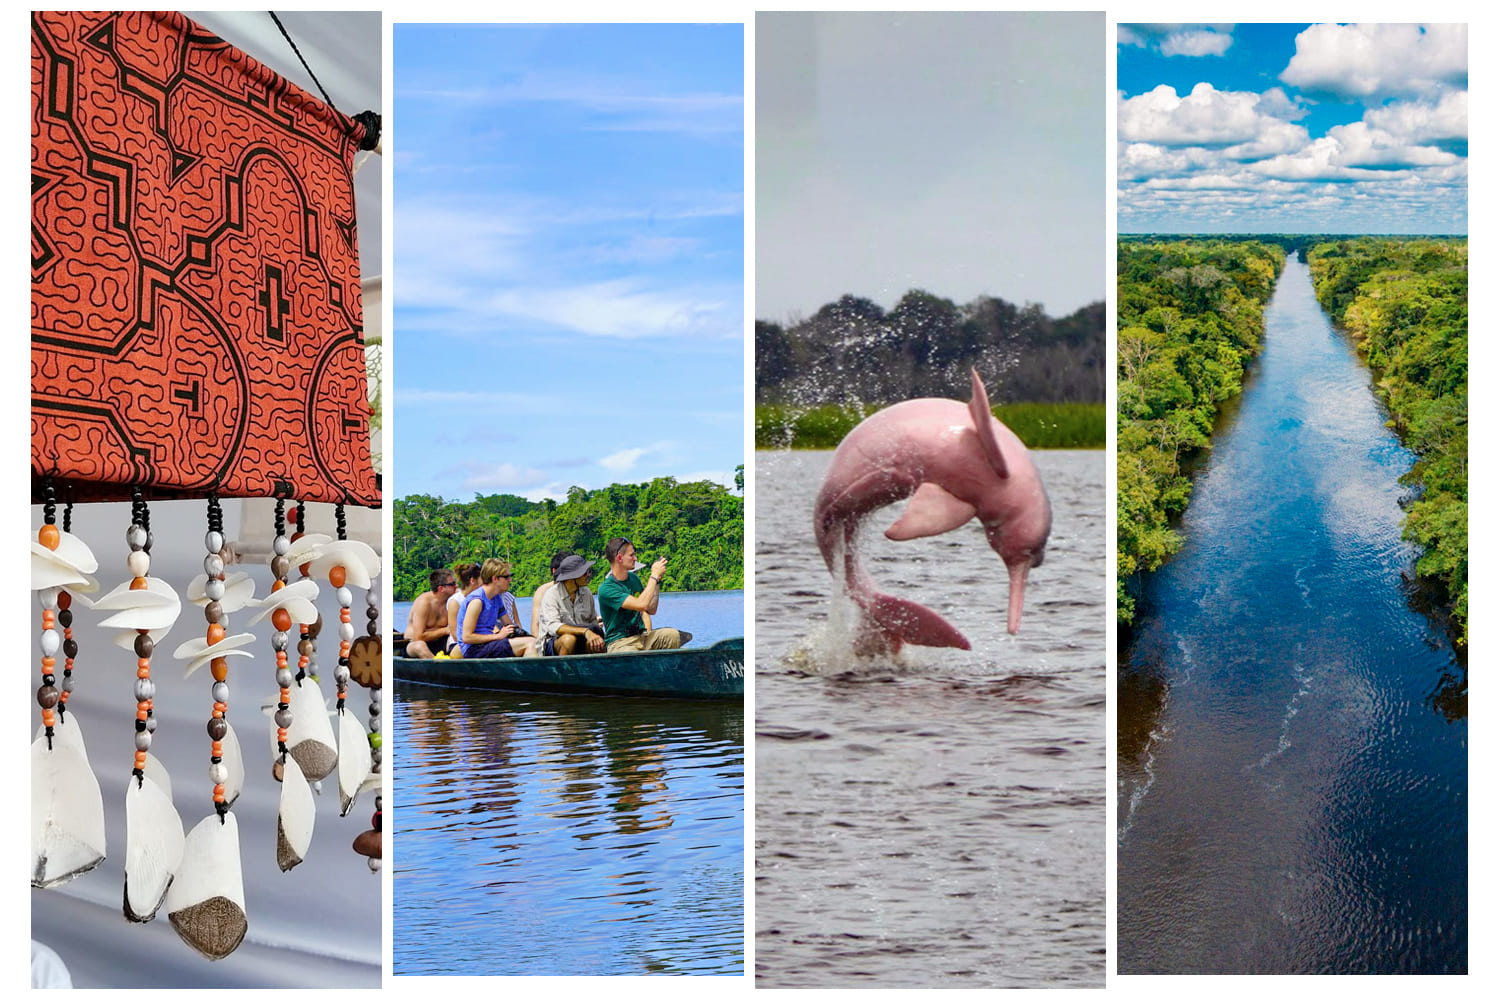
x,y
937,821
587,836
1292,736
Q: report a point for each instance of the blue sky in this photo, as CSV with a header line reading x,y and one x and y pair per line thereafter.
x,y
568,282
1293,128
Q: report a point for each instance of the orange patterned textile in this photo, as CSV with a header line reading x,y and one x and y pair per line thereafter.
x,y
196,325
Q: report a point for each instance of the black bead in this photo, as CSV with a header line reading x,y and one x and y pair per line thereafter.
x,y
65,617
70,648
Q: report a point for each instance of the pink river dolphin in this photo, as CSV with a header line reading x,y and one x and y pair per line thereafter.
x,y
956,462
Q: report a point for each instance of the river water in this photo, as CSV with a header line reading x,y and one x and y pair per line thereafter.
x,y
1292,736
937,821
550,835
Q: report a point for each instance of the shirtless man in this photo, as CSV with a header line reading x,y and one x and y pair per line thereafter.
x,y
568,617
427,624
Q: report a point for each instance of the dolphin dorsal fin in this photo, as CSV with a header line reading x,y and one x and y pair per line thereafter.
x,y
984,426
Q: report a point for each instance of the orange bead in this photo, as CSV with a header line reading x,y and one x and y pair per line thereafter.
x,y
216,748
143,671
139,583
218,793
215,633
281,619
49,536
140,711
277,586
48,617
220,668
48,662
336,576
49,718
281,734
140,760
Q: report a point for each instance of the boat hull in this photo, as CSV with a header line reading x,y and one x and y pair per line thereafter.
x,y
716,671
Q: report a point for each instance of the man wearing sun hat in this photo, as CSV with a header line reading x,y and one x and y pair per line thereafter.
x,y
570,623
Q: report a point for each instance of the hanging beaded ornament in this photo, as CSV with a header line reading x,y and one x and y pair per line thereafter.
x,y
348,563
366,668
67,808
309,739
206,902
288,605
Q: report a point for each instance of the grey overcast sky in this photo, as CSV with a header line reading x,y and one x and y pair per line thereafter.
x,y
961,153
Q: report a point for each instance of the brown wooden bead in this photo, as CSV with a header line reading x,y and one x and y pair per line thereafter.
x,y
368,844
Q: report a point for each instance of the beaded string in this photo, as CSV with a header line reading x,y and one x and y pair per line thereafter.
x,y
65,619
372,626
307,647
337,578
48,696
138,537
218,725
281,621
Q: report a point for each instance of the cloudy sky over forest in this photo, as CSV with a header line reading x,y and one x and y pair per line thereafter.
x,y
1293,128
569,256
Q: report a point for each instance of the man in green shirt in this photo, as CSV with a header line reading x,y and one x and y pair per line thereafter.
x,y
626,606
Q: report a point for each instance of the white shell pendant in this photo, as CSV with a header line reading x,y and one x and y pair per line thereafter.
x,y
153,841
354,759
233,760
206,901
294,818
67,812
310,736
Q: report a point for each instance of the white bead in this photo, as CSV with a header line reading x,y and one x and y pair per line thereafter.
x,y
346,631
47,597
50,642
346,597
214,589
374,864
372,597
213,541
218,773
280,545
139,563
212,564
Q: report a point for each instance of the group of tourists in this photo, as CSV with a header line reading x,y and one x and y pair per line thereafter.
x,y
470,613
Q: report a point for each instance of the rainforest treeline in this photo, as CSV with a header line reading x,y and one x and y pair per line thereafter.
x,y
1405,303
854,353
699,527
1190,320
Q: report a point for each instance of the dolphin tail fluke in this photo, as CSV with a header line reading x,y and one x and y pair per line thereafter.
x,y
909,622
984,425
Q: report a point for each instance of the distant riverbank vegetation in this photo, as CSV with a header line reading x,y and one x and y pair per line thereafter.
x,y
1190,318
1040,425
1405,303
817,377
699,527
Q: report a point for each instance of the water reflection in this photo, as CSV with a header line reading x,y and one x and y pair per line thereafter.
x,y
584,835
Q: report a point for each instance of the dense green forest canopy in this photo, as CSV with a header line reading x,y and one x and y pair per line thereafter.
x,y
1190,320
1405,302
1298,243
852,352
699,527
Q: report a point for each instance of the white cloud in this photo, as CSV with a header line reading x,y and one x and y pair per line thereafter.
x,y
1372,61
1424,121
1208,117
1197,42
505,477
622,461
621,103
621,308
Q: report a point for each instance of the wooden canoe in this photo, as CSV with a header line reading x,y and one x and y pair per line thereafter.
x,y
716,671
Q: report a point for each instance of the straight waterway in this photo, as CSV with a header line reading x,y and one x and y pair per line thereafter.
x,y
1293,761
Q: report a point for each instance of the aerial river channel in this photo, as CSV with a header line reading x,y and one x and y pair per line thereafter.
x,y
1293,736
